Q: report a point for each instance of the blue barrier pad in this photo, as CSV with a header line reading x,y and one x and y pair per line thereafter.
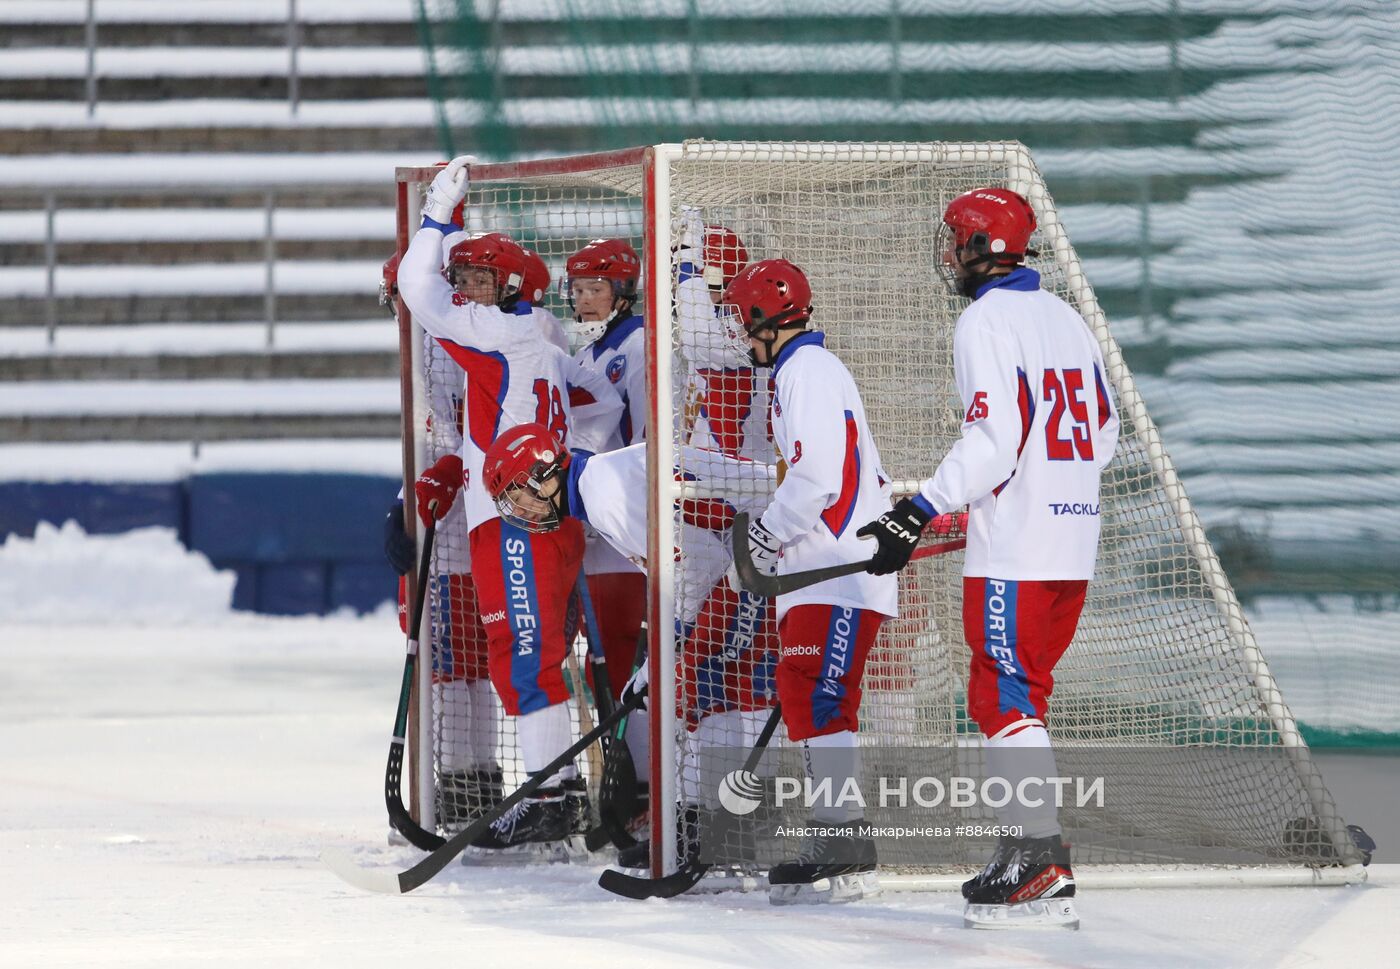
x,y
102,508
289,517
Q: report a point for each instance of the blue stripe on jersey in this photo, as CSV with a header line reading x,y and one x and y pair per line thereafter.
x,y
577,463
614,335
806,338
999,628
1020,279
836,663
686,270
523,615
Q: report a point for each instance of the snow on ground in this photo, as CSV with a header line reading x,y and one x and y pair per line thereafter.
x,y
145,574
170,784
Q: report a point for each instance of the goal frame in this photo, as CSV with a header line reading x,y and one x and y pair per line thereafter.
x,y
655,162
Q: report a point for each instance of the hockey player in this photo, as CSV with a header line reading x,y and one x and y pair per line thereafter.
x,y
522,580
601,287
725,658
1038,431
729,398
825,631
470,780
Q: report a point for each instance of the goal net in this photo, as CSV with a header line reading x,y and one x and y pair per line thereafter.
x,y
1163,694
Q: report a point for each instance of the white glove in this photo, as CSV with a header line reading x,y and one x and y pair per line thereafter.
x,y
636,686
693,231
448,190
763,549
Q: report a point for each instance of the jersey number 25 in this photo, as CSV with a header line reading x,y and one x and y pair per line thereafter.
x,y
1065,391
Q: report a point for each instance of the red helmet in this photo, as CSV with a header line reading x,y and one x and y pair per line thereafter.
x,y
611,259
770,294
993,222
516,467
536,282
389,284
724,255
497,252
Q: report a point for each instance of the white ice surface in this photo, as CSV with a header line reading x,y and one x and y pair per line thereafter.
x,y
174,770
168,789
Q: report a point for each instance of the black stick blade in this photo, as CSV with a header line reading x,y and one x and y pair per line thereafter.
x,y
669,886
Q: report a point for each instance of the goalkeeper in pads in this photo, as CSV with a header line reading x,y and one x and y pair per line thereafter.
x,y
1038,430
833,482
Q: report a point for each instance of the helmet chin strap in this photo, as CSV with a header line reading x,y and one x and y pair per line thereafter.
x,y
978,274
768,344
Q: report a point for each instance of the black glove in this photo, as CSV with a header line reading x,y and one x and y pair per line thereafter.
x,y
896,532
399,549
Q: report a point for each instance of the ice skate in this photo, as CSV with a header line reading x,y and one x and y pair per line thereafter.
x,y
535,830
577,805
1028,884
467,795
834,865
687,838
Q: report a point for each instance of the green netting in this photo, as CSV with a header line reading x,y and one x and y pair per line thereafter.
x,y
1220,165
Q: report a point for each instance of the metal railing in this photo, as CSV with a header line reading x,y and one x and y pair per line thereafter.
x,y
293,56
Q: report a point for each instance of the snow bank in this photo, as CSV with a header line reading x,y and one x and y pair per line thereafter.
x,y
63,575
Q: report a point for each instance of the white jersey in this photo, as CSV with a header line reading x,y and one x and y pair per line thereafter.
x,y
608,493
619,356
550,327
834,483
728,396
1038,429
446,394
512,375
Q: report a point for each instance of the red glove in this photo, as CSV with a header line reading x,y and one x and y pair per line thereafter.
x,y
440,484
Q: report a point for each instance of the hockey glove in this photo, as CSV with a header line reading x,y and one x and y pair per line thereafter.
x,y
439,484
447,191
896,532
399,549
763,549
635,692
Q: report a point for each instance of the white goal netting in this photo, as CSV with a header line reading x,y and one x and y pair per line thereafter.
x,y
1164,690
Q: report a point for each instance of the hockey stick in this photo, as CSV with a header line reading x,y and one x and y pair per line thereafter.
x,y
688,875
619,784
393,772
403,882
772,586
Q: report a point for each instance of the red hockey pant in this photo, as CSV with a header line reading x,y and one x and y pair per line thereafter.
x,y
822,653
1017,630
620,603
523,584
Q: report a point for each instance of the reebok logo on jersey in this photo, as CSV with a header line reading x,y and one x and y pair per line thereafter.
x,y
1073,508
498,616
802,650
